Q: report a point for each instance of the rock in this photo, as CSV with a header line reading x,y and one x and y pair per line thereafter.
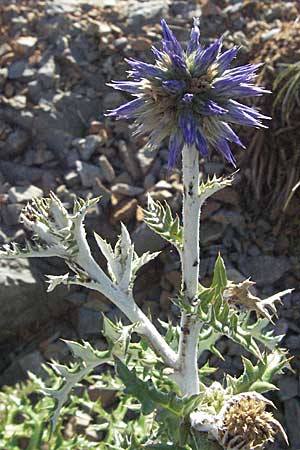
x,y
227,195
20,194
107,169
3,75
20,70
98,302
25,44
288,388
129,160
292,417
23,297
126,189
88,173
124,211
293,342
145,239
140,13
100,190
46,74
89,321
17,102
16,143
88,146
146,158
107,396
264,269
210,232
32,362
228,217
72,178
20,174
11,214
149,181
270,34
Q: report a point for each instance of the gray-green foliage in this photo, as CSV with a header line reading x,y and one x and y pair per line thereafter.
x,y
149,411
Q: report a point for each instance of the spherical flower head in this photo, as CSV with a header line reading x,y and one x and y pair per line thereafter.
x,y
190,96
242,423
245,423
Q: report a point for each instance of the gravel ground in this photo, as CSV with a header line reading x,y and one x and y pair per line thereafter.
x,y
55,60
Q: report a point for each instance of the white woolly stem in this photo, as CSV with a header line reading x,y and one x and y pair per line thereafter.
x,y
187,376
123,300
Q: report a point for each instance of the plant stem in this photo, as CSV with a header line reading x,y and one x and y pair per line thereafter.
x,y
190,325
123,300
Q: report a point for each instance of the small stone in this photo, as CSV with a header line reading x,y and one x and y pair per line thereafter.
x,y
21,194
89,146
99,190
20,70
107,169
18,101
209,207
288,388
88,321
129,160
149,181
146,157
140,44
264,269
210,232
11,214
227,195
46,73
145,239
107,396
124,211
228,217
174,277
9,90
33,363
126,189
25,44
270,34
98,302
72,178
16,143
3,75
293,342
88,173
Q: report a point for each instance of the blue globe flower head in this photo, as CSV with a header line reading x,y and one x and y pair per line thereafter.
x,y
190,96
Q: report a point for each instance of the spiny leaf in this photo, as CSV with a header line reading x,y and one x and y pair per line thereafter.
x,y
150,397
259,377
159,218
13,250
68,377
213,185
214,310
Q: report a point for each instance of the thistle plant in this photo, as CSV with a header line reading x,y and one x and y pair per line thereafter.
x,y
188,96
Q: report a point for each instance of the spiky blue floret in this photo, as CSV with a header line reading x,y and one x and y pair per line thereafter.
x,y
190,96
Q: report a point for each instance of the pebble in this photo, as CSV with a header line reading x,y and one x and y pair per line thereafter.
x,y
16,143
25,44
126,189
270,34
124,211
20,194
129,160
88,173
107,169
264,269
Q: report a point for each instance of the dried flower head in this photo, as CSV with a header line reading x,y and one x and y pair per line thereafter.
x,y
240,296
245,424
189,96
